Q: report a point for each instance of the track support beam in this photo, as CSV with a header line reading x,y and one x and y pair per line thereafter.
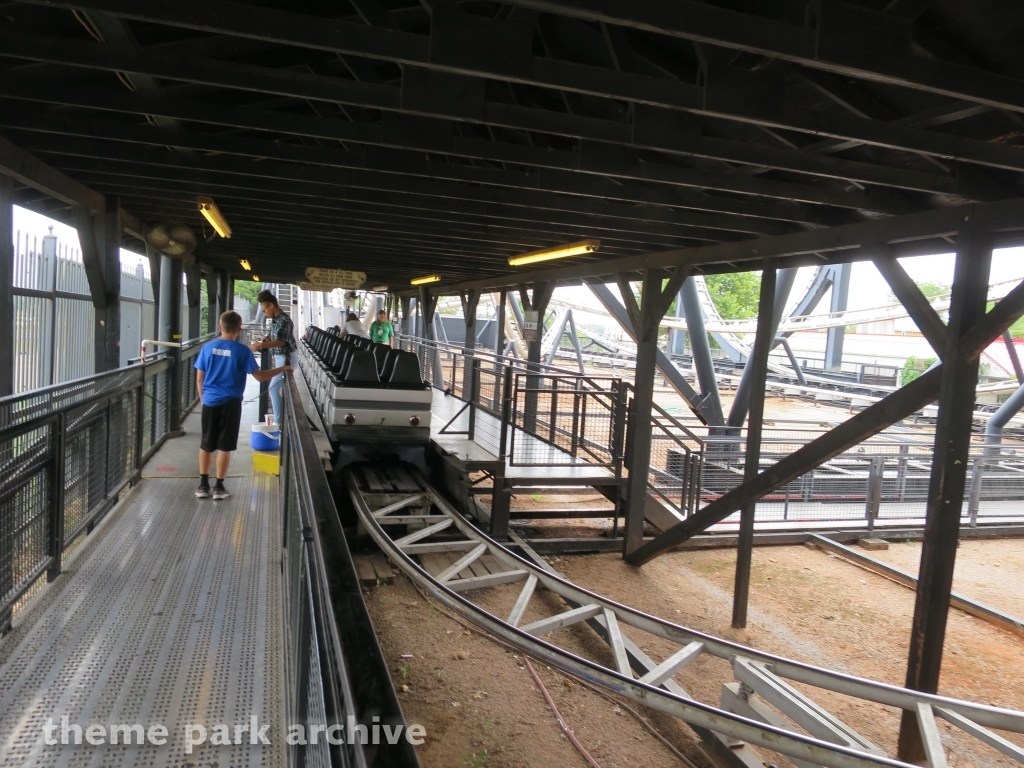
x,y
947,485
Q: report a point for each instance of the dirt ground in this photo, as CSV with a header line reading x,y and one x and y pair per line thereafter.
x,y
480,706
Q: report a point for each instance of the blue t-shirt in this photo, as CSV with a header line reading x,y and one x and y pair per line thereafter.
x,y
226,364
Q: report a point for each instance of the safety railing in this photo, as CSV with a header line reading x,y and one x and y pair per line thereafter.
x,y
677,463
336,673
579,417
66,453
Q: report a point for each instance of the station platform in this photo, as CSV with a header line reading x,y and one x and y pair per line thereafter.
x,y
169,613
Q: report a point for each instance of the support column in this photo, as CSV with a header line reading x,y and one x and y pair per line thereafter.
x,y
427,305
212,297
225,292
645,319
758,365
406,326
499,330
677,337
740,404
100,238
170,330
470,300
538,304
6,287
193,295
948,482
840,296
689,304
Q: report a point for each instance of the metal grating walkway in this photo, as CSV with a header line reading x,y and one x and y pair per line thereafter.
x,y
170,613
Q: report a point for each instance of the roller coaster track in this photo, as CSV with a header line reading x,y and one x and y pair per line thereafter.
x,y
759,708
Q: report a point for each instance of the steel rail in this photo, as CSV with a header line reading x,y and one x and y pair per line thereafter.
x,y
832,743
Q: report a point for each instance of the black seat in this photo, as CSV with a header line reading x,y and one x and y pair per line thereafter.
x,y
389,364
380,354
341,357
406,369
361,369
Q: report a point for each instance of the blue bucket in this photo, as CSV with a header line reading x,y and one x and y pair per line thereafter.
x,y
265,438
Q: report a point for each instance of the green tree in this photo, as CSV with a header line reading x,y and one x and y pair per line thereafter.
x,y
929,288
735,294
248,290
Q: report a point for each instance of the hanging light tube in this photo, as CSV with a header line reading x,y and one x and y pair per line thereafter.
x,y
245,265
425,279
380,288
256,278
558,252
213,215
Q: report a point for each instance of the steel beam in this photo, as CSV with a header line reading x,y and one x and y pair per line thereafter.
x,y
840,297
665,365
872,420
646,319
169,312
538,303
948,482
588,168
717,97
1011,350
6,288
704,365
841,32
846,240
741,402
19,164
915,302
470,300
758,367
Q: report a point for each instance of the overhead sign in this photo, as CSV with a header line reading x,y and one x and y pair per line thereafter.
x,y
321,279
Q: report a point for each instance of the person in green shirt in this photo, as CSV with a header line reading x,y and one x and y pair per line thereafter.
x,y
381,330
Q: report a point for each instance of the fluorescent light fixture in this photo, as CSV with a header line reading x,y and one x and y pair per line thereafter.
x,y
425,279
213,215
245,265
256,278
380,287
558,252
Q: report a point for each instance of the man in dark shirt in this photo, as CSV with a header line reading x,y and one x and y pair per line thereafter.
x,y
280,339
221,368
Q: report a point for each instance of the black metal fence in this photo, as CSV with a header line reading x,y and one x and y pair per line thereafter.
x,y
549,416
335,670
66,453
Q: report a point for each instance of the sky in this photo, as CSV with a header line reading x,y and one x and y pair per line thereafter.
x,y
867,287
36,225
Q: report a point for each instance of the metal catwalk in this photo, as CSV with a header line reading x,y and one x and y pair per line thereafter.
x,y
169,614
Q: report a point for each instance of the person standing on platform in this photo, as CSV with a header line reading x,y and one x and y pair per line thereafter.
x,y
221,368
353,327
280,339
381,331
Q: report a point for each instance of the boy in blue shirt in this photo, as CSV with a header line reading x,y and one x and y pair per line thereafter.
x,y
221,368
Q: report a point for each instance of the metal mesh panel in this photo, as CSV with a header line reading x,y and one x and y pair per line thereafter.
x,y
574,415
25,476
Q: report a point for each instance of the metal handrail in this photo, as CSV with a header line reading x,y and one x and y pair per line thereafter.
x,y
121,418
328,617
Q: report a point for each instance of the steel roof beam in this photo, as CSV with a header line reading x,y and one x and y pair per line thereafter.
x,y
593,160
448,96
727,92
1004,217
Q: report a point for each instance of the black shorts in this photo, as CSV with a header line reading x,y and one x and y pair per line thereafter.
x,y
220,426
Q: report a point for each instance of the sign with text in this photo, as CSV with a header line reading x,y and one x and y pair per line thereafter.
x,y
531,319
322,279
